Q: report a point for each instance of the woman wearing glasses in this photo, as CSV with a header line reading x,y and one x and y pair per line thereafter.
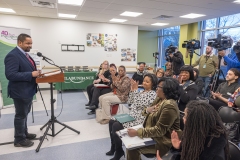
x,y
139,101
161,119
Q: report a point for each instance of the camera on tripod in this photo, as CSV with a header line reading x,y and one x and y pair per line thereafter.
x,y
236,47
170,49
221,42
191,44
155,54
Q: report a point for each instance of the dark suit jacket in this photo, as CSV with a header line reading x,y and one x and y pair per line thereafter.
x,y
18,70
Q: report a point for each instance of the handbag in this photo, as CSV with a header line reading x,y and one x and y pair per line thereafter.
x,y
172,155
233,131
202,99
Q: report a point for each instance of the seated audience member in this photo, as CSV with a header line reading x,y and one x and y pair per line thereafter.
x,y
105,72
234,100
169,70
204,136
160,73
161,119
188,89
139,101
225,89
97,92
138,76
198,81
121,86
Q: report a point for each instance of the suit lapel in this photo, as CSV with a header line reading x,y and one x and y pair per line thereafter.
x,y
26,59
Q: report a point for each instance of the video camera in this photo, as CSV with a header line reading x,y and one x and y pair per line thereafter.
x,y
236,47
221,42
191,44
169,49
155,55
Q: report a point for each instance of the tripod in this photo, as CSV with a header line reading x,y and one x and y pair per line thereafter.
x,y
155,65
191,51
50,123
215,78
43,104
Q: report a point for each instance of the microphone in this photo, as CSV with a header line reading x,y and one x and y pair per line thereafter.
x,y
39,54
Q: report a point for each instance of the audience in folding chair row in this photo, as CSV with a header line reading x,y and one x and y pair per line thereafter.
x,y
188,88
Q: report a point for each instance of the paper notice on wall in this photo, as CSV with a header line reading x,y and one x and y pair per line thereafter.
x,y
110,42
128,55
95,40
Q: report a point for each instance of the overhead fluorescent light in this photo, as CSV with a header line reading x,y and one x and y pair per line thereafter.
x,y
130,14
71,2
192,15
66,15
118,20
237,1
160,24
9,10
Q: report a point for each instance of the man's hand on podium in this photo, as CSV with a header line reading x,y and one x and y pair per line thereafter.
x,y
36,73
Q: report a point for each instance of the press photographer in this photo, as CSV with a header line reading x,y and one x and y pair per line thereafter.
x,y
173,55
234,60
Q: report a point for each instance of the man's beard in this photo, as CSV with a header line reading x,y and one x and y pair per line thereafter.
x,y
208,53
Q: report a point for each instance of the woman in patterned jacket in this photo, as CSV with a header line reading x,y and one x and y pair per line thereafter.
x,y
139,101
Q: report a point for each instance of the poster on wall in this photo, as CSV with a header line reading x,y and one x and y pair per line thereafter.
x,y
95,40
37,60
110,42
8,41
128,55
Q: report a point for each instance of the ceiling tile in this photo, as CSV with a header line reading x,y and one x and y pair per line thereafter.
x,y
26,13
49,15
18,2
107,1
68,7
128,2
90,9
67,11
95,4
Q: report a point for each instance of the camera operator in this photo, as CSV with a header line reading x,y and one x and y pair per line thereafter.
x,y
208,63
234,61
177,61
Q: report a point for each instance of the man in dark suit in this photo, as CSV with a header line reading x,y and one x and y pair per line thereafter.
x,y
20,70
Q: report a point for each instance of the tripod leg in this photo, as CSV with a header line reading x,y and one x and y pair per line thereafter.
x,y
42,99
45,125
67,126
43,137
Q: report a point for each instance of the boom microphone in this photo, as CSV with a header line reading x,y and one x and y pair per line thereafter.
x,y
39,54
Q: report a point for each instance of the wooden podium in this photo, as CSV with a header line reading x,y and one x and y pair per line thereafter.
x,y
51,77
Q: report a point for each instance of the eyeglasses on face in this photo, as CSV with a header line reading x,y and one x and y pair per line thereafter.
x,y
159,86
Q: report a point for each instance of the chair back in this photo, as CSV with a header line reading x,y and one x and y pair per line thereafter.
x,y
228,115
234,151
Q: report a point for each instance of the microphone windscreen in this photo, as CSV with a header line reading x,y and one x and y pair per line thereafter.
x,y
39,54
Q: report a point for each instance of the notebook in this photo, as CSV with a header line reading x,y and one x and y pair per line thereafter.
x,y
134,142
122,118
101,86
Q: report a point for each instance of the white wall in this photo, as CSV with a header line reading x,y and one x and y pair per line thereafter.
x,y
49,34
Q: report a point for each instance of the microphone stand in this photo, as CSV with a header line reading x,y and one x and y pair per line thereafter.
x,y
46,59
53,120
